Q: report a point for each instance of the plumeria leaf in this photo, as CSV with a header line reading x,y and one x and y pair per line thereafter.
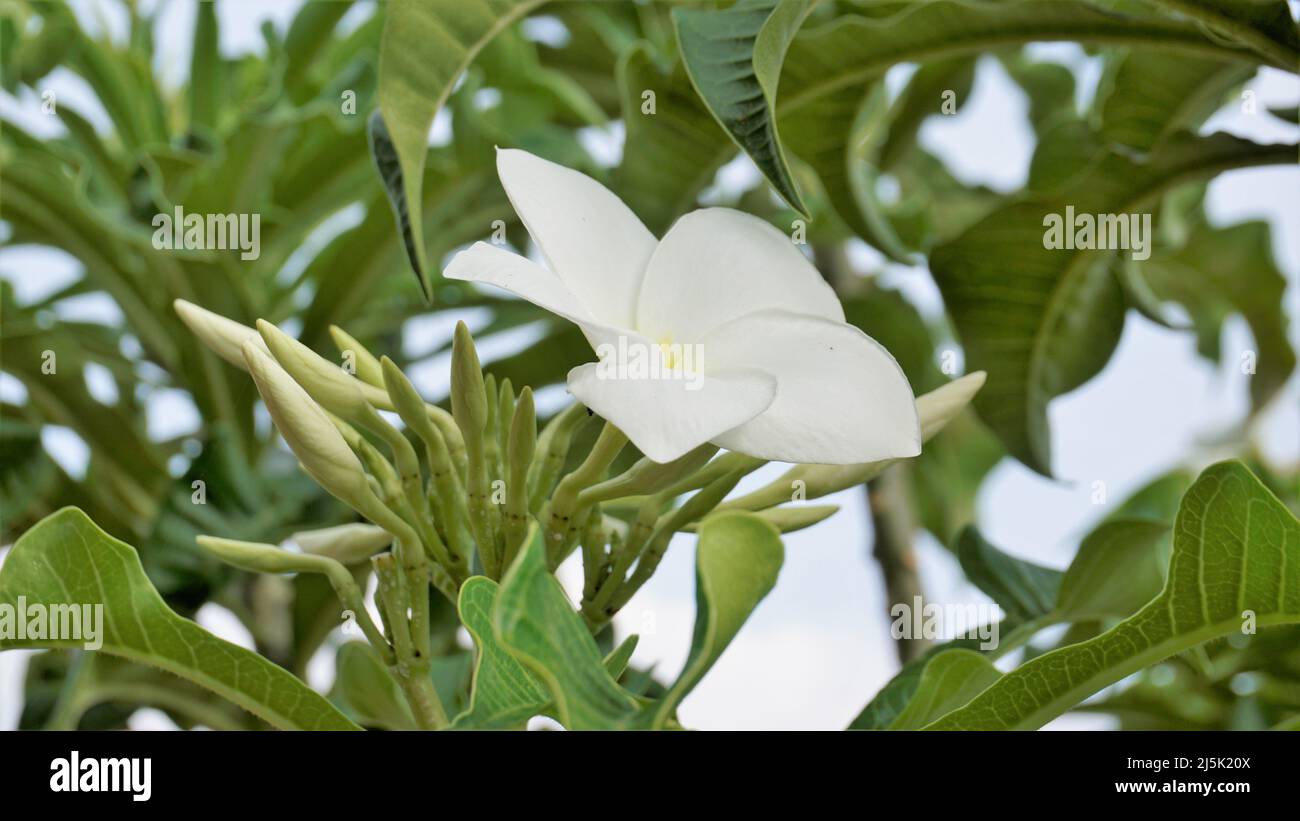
x,y
1152,95
1022,589
737,559
67,560
1120,566
950,679
844,165
504,693
365,688
1043,321
535,622
425,48
672,148
617,660
734,58
389,166
1235,567
1223,271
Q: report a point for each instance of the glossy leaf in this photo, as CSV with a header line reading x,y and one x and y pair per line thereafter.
x,y
536,623
425,48
504,693
734,58
1043,321
67,560
1236,556
737,559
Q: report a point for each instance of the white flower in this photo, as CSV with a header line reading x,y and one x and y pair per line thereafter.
x,y
784,377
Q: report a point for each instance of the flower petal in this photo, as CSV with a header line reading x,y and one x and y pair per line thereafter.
x,y
665,418
841,398
715,265
524,278
593,242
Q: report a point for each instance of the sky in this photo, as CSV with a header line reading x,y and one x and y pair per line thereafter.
x,y
818,647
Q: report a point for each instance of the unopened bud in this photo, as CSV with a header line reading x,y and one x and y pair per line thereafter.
x,y
310,434
367,365
323,380
350,544
468,393
224,337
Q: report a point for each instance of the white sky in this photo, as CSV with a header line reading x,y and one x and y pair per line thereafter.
x,y
818,648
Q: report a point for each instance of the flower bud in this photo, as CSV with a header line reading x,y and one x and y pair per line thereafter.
x,y
350,543
523,435
310,434
323,380
262,558
941,405
368,370
468,394
224,337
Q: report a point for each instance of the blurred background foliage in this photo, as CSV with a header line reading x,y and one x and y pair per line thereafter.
x,y
282,133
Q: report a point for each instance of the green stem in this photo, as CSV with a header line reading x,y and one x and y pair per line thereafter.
x,y
420,693
563,519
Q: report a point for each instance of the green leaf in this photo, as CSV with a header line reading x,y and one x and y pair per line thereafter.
x,y
1224,271
535,622
948,681
389,166
67,560
1022,589
737,559
1120,566
1236,552
842,161
734,59
1264,26
922,97
1153,94
424,49
617,660
1043,321
365,687
504,693
1158,499
672,150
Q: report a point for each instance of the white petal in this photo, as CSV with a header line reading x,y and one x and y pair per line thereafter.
x,y
840,399
717,264
593,242
524,278
665,418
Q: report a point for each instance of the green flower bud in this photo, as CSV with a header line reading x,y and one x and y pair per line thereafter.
x,y
224,337
265,558
310,434
368,370
350,544
468,393
325,381
523,435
